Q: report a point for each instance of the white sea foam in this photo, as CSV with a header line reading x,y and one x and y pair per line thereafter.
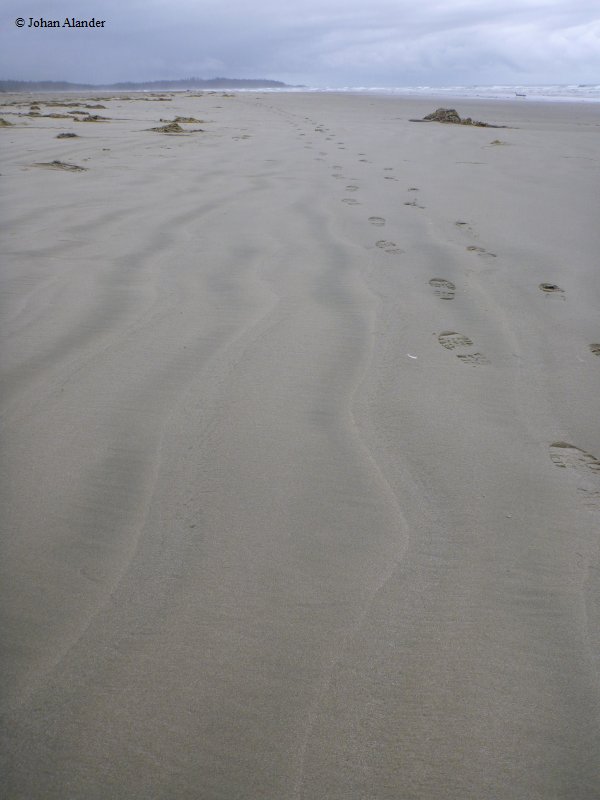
x,y
587,93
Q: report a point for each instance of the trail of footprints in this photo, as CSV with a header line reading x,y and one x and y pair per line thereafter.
x,y
442,288
451,340
563,455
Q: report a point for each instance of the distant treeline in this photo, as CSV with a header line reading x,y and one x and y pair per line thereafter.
x,y
185,83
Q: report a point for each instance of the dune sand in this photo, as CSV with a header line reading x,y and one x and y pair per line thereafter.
x,y
300,492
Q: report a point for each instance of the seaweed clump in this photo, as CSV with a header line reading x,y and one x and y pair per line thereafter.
x,y
88,117
171,127
452,117
187,119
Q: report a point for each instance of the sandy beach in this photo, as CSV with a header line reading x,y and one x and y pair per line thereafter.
x,y
300,485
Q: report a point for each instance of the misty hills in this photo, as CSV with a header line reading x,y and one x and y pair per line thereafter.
x,y
185,83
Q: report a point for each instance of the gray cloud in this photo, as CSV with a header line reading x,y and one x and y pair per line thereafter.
x,y
335,43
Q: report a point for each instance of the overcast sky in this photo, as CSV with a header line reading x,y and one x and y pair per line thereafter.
x,y
316,42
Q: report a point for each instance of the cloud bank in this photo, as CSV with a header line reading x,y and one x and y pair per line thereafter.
x,y
326,43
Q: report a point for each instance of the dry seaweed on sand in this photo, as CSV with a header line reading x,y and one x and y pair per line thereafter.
x,y
60,165
183,120
174,127
187,119
5,123
67,136
171,127
53,115
451,116
71,104
91,118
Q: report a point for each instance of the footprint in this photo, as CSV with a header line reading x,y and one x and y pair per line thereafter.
x,y
464,225
389,247
595,348
389,178
474,359
451,339
567,456
590,497
350,201
551,288
385,169
377,221
413,203
586,467
481,251
352,188
442,288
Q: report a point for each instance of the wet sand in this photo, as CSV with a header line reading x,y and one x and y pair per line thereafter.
x,y
300,485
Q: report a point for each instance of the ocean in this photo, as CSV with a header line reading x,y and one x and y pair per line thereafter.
x,y
587,93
